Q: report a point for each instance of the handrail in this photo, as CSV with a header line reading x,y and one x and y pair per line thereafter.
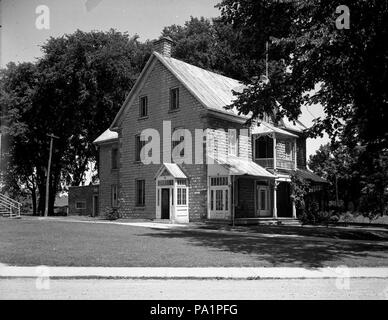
x,y
2,196
7,202
9,205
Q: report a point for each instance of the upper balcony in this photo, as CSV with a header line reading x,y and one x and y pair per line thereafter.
x,y
274,148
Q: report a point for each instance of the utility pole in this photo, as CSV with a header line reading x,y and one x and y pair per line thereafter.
x,y
336,191
52,137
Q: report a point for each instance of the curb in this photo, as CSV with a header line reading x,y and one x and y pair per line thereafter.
x,y
190,273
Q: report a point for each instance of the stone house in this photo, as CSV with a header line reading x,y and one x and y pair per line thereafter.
x,y
209,163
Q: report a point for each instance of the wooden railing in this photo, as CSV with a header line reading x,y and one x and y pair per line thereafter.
x,y
265,162
280,163
9,207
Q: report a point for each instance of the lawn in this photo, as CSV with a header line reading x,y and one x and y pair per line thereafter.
x,y
28,242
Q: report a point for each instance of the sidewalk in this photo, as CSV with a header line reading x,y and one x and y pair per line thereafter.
x,y
191,273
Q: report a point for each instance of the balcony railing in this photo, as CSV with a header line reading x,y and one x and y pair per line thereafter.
x,y
280,163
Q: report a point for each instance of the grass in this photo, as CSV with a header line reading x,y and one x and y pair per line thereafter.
x,y
30,242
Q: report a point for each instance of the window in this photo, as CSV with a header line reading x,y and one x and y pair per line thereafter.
x,y
174,98
114,198
288,150
143,106
139,144
219,181
263,148
179,131
140,193
233,142
181,196
115,153
80,205
219,200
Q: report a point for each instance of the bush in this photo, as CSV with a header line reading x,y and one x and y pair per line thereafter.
x,y
347,217
312,215
112,213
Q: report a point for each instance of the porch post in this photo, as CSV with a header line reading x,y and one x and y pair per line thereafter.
x,y
293,210
295,160
275,209
232,199
274,151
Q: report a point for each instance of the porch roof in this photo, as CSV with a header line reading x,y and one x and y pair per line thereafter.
x,y
239,167
173,169
308,175
265,128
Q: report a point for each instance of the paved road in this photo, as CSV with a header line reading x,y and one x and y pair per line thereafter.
x,y
194,289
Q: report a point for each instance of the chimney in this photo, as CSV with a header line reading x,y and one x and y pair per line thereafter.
x,y
163,46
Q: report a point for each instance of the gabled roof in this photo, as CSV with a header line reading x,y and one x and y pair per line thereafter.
x,y
173,169
107,136
292,125
265,128
212,90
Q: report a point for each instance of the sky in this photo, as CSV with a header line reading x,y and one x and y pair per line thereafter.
x,y
23,30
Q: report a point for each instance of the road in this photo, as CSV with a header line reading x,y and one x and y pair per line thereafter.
x,y
194,289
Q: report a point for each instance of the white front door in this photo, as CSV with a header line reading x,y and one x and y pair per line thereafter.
x,y
219,202
262,201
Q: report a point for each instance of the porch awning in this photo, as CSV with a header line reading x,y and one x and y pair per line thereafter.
x,y
240,166
308,175
173,169
266,128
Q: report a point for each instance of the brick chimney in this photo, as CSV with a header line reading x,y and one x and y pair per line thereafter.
x,y
163,46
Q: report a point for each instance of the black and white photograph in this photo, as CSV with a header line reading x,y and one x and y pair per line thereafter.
x,y
220,151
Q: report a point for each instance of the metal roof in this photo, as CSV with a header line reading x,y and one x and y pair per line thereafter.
x,y
308,175
213,90
239,166
173,169
265,128
108,135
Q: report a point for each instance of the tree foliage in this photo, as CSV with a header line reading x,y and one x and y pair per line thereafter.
x,y
74,92
311,61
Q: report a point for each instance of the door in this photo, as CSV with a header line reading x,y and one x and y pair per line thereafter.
x,y
95,206
165,203
284,202
219,202
262,201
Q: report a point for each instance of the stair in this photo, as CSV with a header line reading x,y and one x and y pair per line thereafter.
x,y
9,207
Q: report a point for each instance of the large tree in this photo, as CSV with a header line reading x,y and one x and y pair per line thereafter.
x,y
77,88
312,60
210,44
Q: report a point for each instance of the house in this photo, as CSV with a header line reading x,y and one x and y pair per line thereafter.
x,y
84,200
205,162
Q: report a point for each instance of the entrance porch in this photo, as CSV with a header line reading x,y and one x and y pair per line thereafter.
x,y
241,189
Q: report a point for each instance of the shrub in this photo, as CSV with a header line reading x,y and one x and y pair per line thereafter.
x,y
347,217
112,213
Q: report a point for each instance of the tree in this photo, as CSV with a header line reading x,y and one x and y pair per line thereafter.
x,y
339,165
350,66
78,86
17,85
313,62
209,44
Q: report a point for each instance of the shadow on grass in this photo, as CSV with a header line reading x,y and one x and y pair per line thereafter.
x,y
285,251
